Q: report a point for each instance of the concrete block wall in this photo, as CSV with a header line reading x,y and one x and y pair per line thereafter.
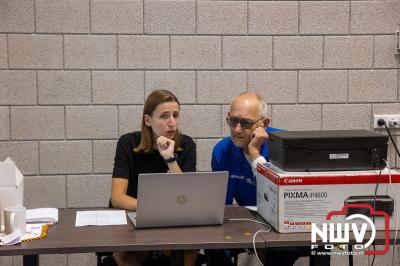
x,y
74,75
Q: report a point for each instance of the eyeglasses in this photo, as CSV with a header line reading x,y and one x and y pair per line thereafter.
x,y
244,123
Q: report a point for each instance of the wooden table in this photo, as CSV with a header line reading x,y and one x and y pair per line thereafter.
x,y
65,238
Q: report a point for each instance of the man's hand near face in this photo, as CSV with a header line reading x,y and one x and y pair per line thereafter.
x,y
257,138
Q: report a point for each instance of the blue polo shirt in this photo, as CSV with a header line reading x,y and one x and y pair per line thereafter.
x,y
241,183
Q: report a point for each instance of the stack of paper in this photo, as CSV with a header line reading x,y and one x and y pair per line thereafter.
x,y
42,215
11,239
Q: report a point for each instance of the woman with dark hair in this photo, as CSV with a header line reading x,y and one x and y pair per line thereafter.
x,y
158,148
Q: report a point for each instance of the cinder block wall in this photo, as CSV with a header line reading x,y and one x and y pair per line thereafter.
x,y
74,75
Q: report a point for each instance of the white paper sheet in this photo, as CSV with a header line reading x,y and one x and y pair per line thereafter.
x,y
42,215
252,208
84,218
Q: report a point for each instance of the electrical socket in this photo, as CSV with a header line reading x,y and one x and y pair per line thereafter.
x,y
389,119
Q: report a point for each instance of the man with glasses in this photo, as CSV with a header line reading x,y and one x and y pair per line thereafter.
x,y
247,146
239,154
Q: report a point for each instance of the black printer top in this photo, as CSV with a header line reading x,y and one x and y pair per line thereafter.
x,y
329,135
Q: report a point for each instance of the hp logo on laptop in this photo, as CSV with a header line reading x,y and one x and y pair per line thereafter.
x,y
182,199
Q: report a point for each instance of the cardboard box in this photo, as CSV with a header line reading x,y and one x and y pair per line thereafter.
x,y
291,201
11,186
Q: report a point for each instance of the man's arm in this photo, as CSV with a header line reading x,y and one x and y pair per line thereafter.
x,y
259,136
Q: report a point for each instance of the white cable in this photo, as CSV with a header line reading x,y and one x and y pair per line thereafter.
x,y
254,243
255,234
397,211
249,220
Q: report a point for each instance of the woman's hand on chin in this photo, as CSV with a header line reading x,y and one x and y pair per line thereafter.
x,y
165,147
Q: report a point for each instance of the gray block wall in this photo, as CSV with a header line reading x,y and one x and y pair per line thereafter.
x,y
74,75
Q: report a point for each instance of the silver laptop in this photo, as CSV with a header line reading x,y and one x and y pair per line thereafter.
x,y
180,199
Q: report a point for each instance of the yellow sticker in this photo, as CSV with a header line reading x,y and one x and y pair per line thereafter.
x,y
247,233
228,237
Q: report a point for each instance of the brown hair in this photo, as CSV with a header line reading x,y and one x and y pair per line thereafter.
x,y
147,139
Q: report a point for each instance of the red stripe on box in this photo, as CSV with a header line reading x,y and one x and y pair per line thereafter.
x,y
326,180
337,180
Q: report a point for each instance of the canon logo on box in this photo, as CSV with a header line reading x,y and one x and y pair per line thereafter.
x,y
293,181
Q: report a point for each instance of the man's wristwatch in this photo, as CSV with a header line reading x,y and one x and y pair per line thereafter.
x,y
172,159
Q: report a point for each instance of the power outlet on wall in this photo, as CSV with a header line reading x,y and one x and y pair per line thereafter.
x,y
392,121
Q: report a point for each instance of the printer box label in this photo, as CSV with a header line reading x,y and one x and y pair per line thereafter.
x,y
291,202
337,156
